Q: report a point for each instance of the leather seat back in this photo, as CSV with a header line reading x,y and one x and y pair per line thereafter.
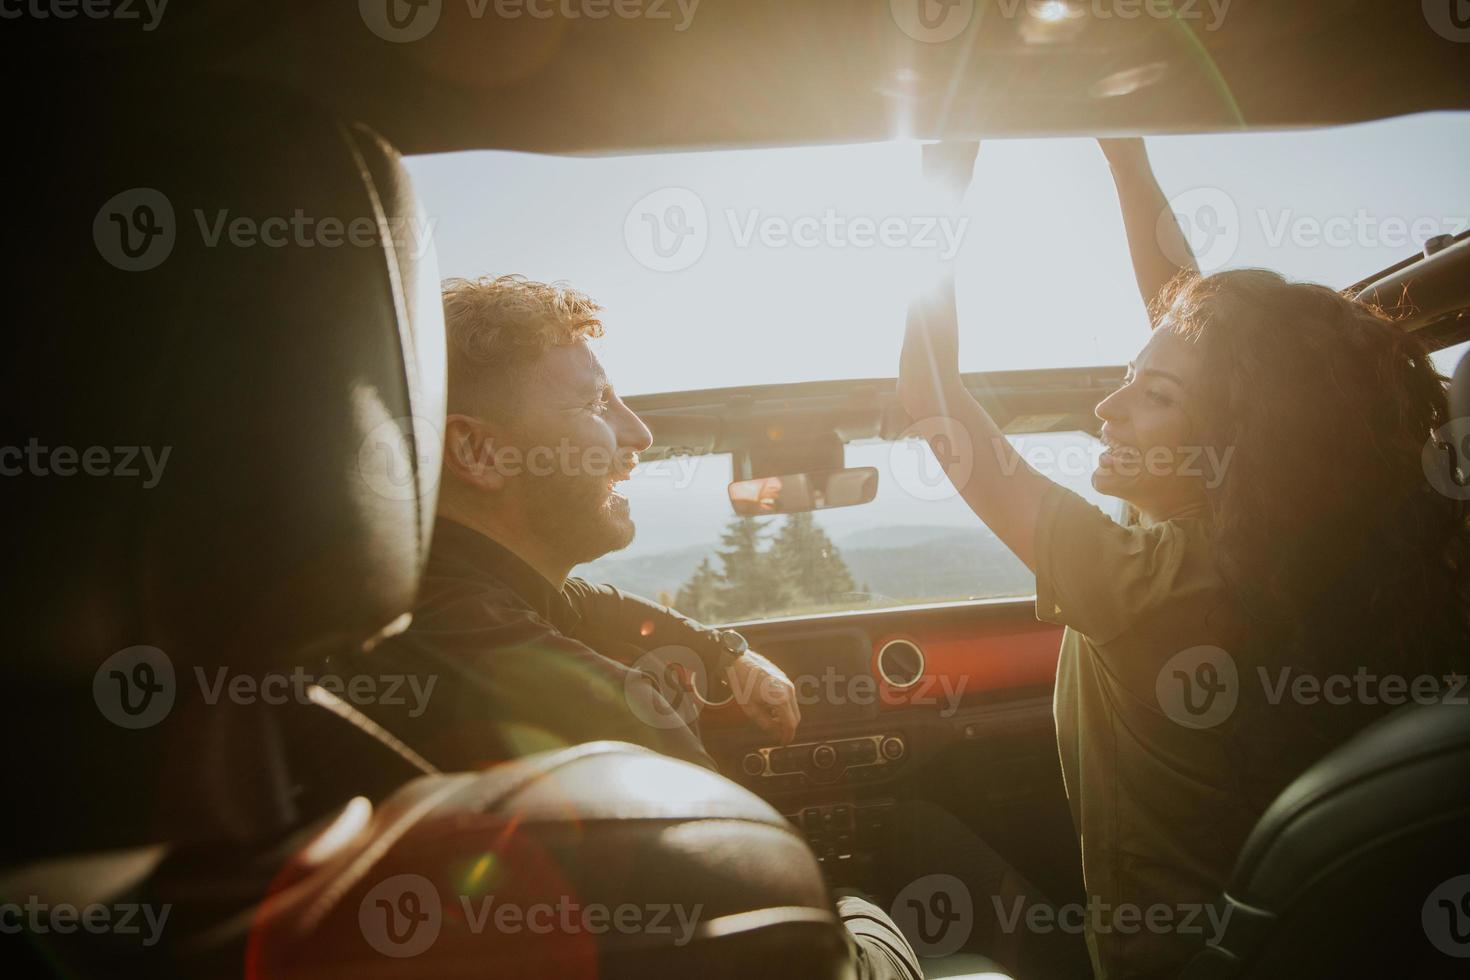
x,y
1358,868
231,314
1460,390
1459,555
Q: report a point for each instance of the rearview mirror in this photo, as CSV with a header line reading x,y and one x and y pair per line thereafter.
x,y
798,492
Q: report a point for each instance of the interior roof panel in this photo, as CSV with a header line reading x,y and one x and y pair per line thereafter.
x,y
782,72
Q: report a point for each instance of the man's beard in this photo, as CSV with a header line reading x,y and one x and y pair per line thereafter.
x,y
576,517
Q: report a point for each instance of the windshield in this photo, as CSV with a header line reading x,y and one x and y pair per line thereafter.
x,y
786,265
916,542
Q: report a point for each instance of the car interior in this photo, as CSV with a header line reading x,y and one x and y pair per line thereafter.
x,y
264,827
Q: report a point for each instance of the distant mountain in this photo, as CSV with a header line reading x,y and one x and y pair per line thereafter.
x,y
898,535
648,575
961,564
921,563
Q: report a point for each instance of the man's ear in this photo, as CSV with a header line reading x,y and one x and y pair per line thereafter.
x,y
469,452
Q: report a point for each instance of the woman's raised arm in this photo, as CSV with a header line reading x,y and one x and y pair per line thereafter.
x,y
1155,242
992,478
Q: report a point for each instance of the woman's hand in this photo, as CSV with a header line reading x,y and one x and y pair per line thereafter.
x,y
991,477
929,365
1127,155
950,166
766,695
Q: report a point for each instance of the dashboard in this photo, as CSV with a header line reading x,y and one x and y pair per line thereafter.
x,y
892,701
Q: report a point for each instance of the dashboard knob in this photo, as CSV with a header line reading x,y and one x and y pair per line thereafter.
x,y
824,757
893,748
754,763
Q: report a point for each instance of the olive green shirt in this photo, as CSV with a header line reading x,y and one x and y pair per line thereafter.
x,y
1153,791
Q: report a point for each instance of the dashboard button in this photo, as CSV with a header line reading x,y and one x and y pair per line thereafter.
x,y
824,756
893,748
790,759
754,763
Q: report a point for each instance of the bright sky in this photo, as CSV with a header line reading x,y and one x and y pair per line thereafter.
x,y
1044,277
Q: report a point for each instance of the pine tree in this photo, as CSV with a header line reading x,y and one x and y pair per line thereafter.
x,y
801,567
752,586
809,563
698,597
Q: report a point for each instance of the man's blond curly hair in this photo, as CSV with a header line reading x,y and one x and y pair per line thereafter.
x,y
498,326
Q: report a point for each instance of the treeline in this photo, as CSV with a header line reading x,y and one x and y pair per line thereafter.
x,y
758,573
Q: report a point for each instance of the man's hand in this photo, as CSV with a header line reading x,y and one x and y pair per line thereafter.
x,y
766,694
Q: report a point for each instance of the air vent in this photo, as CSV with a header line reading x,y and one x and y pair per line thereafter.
x,y
900,663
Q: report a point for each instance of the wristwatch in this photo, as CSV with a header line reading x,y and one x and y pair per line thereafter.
x,y
732,647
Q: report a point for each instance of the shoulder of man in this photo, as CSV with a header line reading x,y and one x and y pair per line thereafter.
x,y
501,665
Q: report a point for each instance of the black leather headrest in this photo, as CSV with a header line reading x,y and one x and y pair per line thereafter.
x,y
236,310
230,315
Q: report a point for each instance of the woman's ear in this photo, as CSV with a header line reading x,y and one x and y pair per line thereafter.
x,y
469,452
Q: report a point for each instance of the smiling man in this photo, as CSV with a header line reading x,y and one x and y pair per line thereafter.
x,y
535,443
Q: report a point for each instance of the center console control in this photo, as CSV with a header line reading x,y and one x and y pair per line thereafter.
x,y
840,831
829,761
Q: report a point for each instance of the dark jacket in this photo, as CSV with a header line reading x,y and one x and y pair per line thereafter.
x,y
519,666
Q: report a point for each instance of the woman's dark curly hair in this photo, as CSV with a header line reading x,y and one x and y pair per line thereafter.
x,y
1327,530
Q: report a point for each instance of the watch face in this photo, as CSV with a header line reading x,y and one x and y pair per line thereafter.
x,y
733,641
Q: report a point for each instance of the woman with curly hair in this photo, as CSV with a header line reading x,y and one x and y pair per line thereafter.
x,y
1282,586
